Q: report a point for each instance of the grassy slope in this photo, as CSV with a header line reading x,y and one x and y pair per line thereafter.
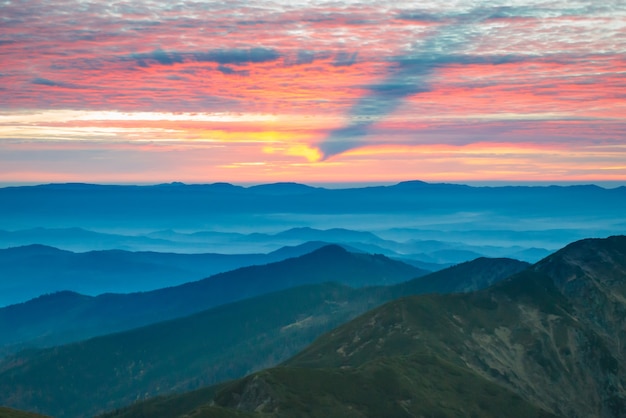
x,y
13,413
398,386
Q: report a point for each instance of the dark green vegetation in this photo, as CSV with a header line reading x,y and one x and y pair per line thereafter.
x,y
465,277
406,386
13,413
226,342
545,342
216,345
67,316
415,385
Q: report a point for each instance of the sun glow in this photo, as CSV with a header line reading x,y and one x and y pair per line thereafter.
x,y
310,91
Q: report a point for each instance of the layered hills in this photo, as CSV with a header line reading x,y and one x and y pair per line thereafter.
x,y
215,251
547,341
219,344
68,316
183,205
415,210
37,269
33,270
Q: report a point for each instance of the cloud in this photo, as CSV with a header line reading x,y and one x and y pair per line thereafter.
x,y
224,69
165,58
160,56
345,59
477,14
238,56
305,57
411,74
50,83
420,16
45,82
218,56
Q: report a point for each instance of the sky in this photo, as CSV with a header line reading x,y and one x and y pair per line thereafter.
x,y
312,91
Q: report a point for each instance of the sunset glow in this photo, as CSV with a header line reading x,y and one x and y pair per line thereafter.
x,y
312,91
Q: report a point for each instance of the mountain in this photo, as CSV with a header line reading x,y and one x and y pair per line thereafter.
x,y
162,241
34,270
212,346
545,342
465,277
227,248
81,239
333,235
446,209
225,342
68,316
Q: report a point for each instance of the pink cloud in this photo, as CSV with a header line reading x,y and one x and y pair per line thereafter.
x,y
382,75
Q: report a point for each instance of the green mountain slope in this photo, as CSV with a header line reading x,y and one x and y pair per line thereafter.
x,y
84,378
419,385
545,341
465,277
13,413
212,346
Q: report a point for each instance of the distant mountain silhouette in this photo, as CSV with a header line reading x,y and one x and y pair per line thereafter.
x,y
227,247
228,207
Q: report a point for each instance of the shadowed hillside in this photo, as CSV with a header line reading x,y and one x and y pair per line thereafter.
x,y
13,413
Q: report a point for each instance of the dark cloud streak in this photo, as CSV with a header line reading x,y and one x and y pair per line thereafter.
x,y
218,56
51,83
409,75
238,56
345,59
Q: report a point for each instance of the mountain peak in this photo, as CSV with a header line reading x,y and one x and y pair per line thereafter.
x,y
412,183
282,188
601,259
330,249
32,249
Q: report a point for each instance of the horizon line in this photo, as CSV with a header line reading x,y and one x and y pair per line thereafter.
x,y
605,184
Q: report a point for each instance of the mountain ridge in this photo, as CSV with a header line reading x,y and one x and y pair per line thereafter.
x,y
151,208
405,183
